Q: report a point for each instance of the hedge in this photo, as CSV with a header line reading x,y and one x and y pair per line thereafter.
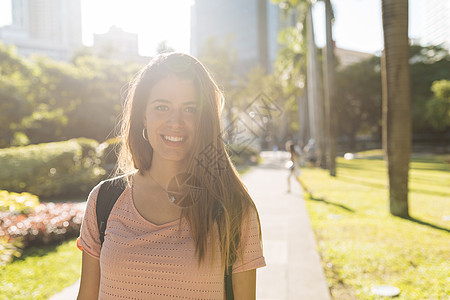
x,y
15,203
59,169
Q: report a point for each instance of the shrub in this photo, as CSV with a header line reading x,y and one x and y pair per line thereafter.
x,y
68,168
9,249
15,203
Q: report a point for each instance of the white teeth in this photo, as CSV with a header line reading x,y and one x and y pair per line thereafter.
x,y
173,138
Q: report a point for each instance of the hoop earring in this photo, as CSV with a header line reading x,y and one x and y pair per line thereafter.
x,y
143,134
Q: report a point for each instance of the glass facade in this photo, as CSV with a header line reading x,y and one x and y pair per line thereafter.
x,y
253,26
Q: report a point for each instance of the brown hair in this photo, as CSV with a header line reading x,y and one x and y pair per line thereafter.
x,y
226,201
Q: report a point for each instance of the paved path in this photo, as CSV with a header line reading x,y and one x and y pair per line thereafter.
x,y
293,270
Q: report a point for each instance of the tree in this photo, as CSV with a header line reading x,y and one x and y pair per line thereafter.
x,y
42,100
104,89
16,76
329,91
358,101
163,48
314,93
396,102
358,95
312,101
221,61
290,69
428,64
438,108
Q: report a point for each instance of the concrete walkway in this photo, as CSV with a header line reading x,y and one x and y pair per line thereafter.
x,y
293,270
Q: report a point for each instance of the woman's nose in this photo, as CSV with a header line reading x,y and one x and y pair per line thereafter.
x,y
176,118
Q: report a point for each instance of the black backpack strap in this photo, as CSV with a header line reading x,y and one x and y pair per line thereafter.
x,y
109,192
229,284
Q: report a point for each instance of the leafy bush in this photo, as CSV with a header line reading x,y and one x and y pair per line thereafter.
x,y
47,170
9,248
13,204
18,203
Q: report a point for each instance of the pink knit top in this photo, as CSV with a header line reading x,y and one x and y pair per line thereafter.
x,y
141,260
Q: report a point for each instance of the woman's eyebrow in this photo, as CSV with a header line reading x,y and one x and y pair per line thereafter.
x,y
167,101
160,100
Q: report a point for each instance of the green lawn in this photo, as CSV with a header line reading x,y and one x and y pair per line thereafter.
x,y
362,245
41,272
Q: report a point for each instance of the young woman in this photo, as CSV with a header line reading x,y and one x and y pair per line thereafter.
x,y
293,164
184,217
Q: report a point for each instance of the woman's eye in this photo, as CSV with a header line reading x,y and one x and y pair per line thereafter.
x,y
191,109
162,108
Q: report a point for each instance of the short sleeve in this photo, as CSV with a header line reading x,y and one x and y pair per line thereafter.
x,y
250,254
89,240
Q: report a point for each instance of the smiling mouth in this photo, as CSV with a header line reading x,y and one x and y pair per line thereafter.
x,y
174,139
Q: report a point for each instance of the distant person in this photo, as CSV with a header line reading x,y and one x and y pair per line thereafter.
x,y
293,164
184,217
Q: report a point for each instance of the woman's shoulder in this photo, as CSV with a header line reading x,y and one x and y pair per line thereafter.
x,y
94,192
250,214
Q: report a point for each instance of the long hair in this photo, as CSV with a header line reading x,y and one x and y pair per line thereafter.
x,y
224,200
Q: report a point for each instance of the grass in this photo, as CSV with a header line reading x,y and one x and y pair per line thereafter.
x,y
362,245
41,272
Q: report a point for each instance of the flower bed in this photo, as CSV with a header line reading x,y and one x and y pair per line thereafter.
x,y
48,223
35,224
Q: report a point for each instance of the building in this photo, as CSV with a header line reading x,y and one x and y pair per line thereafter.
x,y
117,41
347,57
120,45
46,27
435,23
252,25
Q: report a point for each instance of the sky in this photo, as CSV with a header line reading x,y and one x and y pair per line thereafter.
x,y
358,24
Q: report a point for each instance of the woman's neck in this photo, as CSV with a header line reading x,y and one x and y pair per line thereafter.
x,y
164,172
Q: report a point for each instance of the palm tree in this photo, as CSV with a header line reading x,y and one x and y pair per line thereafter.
x,y
329,69
396,102
312,100
315,99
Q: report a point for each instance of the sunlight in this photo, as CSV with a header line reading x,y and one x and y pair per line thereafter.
x,y
154,21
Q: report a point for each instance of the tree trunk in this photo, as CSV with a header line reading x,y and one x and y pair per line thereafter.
x,y
263,54
315,101
329,92
396,102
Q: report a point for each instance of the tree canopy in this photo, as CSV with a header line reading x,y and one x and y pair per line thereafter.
x,y
42,100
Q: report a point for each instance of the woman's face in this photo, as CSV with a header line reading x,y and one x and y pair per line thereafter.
x,y
170,118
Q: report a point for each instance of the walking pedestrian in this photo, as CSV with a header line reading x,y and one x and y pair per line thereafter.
x,y
293,164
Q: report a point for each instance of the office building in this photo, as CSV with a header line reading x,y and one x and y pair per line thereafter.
x,y
347,57
116,40
252,26
46,27
435,22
